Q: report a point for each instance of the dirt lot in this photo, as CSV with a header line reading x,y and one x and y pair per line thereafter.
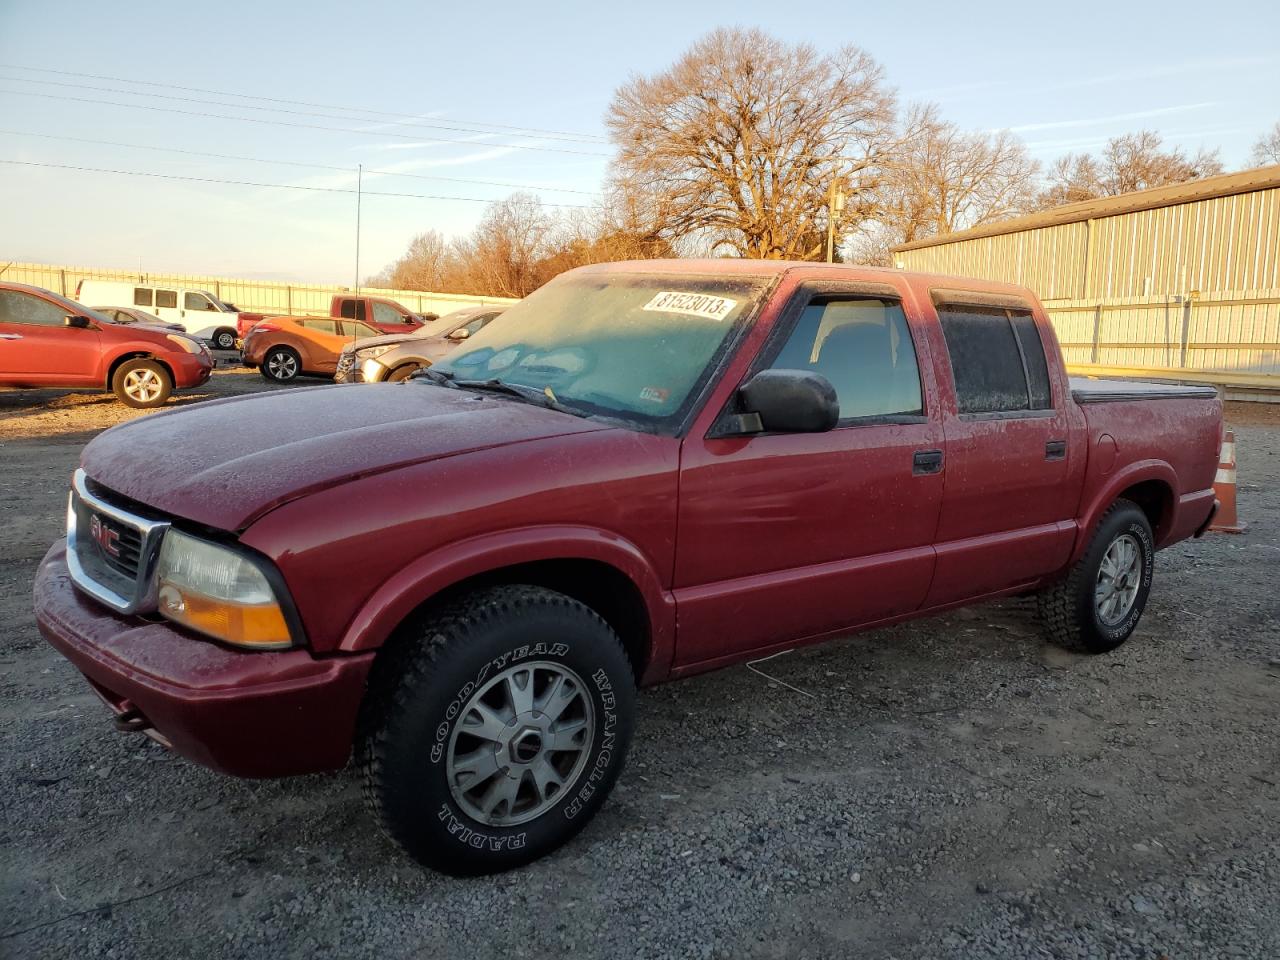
x,y
951,788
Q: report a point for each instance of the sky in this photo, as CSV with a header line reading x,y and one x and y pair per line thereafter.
x,y
510,94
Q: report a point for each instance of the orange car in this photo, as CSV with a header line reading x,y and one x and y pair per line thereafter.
x,y
284,348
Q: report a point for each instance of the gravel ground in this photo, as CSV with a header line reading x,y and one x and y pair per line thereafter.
x,y
950,788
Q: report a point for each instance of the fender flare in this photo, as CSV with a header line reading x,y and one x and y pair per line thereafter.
x,y
130,351
1139,472
445,566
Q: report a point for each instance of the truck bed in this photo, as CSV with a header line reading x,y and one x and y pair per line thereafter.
x,y
1090,390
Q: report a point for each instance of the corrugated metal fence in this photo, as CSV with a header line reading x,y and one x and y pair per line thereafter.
x,y
257,296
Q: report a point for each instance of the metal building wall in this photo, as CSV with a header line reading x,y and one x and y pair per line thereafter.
x,y
1190,289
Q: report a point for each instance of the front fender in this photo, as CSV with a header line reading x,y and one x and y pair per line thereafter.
x,y
440,569
1140,471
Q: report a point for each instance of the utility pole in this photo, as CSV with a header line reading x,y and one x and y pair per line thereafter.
x,y
835,207
359,190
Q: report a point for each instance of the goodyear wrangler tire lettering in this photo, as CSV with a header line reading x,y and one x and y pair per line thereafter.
x,y
497,734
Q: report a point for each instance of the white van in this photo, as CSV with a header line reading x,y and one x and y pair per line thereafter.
x,y
199,312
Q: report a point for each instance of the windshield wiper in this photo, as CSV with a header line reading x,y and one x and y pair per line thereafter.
x,y
542,398
435,376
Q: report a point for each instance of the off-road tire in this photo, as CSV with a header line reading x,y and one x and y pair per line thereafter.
x,y
403,372
1068,610
126,383
419,691
273,371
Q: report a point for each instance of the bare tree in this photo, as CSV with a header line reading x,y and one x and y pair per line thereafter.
x,y
1267,150
740,140
941,179
424,266
1135,161
501,256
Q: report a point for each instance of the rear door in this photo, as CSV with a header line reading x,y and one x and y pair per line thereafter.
x,y
168,308
37,347
788,536
1007,511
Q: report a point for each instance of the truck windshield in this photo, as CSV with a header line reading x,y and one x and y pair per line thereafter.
x,y
635,347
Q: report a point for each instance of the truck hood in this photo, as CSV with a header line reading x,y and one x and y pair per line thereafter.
x,y
227,462
388,339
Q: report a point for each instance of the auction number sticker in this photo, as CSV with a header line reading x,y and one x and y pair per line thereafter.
x,y
691,304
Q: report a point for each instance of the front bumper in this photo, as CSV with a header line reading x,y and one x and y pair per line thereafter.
x,y
246,713
190,369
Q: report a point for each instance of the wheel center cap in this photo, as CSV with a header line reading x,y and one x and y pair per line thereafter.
x,y
526,745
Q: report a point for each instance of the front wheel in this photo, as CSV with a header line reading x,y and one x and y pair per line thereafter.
x,y
497,730
1097,607
224,339
141,383
403,372
281,364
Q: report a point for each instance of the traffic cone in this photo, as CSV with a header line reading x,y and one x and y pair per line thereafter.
x,y
1224,488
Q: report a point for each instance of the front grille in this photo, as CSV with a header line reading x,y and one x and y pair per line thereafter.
x,y
111,551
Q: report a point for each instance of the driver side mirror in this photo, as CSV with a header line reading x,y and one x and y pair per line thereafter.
x,y
785,401
460,334
80,323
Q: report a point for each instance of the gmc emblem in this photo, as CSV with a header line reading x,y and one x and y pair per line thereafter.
x,y
104,536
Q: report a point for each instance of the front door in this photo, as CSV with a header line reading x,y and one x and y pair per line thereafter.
x,y
1006,514
37,347
788,536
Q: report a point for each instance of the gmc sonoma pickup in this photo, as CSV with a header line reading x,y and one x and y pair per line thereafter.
x,y
640,472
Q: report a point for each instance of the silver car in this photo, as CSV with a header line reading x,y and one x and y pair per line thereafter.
x,y
397,356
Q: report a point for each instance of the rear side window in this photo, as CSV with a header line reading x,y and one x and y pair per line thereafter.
x,y
166,298
142,296
997,359
1024,328
352,309
863,347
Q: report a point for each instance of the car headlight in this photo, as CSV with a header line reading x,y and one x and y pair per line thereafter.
x,y
186,343
373,353
218,592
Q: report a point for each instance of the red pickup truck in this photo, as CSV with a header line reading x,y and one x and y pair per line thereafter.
x,y
381,312
640,472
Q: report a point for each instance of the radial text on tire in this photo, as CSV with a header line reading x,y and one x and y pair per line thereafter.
x,y
495,729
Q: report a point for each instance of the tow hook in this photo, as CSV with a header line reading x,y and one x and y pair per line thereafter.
x,y
132,721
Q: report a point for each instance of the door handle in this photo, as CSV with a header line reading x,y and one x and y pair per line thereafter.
x,y
10,336
1055,450
925,462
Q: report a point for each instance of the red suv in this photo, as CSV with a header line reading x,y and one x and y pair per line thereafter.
x,y
49,341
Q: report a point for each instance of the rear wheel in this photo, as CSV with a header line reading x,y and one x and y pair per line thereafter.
x,y
141,383
497,730
1098,606
224,339
403,372
281,364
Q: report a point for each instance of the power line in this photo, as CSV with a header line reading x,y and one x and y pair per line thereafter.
x,y
300,163
300,103
301,126
253,183
416,123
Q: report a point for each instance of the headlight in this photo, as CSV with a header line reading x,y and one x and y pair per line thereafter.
x,y
373,353
186,343
218,592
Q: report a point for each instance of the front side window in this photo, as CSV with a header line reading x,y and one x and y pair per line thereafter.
x,y
863,347
166,298
635,347
319,324
142,296
385,313
16,307
997,359
196,301
354,328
